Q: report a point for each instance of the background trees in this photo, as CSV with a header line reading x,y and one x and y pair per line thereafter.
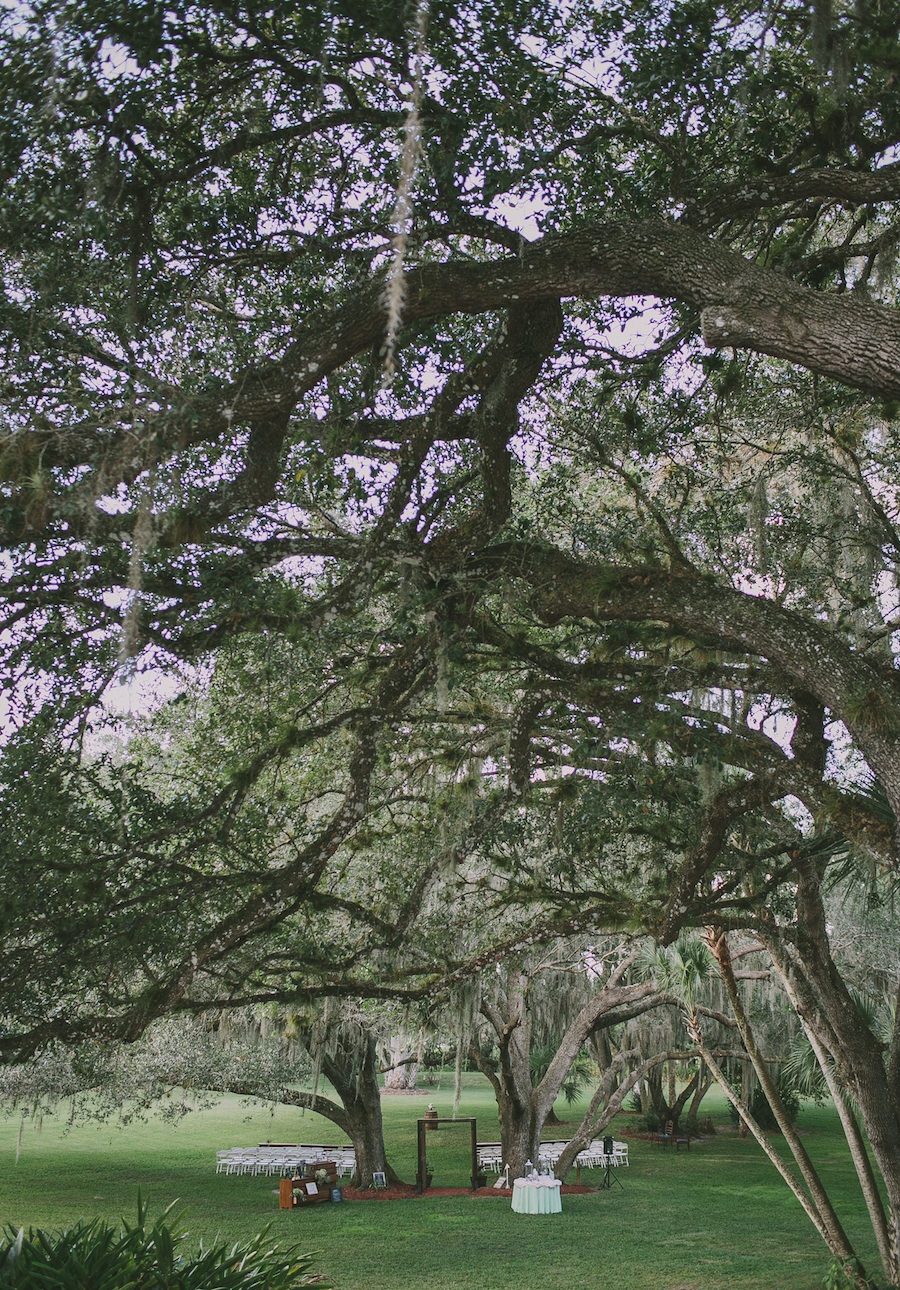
x,y
522,1008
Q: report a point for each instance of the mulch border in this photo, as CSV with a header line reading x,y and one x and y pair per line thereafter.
x,y
407,1192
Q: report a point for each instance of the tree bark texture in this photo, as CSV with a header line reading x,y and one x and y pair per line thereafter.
x,y
838,1241
858,1152
747,1119
859,1056
360,1095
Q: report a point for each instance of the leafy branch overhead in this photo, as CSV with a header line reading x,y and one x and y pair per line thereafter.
x,y
576,623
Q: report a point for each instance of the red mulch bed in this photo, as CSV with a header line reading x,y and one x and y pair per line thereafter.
x,y
405,1191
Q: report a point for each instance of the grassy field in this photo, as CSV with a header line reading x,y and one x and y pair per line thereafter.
x,y
713,1218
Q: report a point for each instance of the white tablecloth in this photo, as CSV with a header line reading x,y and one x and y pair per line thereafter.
x,y
539,1195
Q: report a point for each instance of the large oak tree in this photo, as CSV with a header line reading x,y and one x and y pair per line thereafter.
x,y
621,485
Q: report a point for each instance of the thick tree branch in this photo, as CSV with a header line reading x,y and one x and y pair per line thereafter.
x,y
744,305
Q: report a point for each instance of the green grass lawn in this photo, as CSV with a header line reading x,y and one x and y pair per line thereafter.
x,y
713,1218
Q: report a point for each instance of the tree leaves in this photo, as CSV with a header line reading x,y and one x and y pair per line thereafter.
x,y
576,552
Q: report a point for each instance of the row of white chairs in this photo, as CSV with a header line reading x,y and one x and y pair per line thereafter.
x,y
277,1159
490,1155
595,1156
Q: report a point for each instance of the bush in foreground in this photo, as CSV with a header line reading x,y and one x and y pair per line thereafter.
x,y
95,1256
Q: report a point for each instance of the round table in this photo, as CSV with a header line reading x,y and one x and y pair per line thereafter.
x,y
539,1195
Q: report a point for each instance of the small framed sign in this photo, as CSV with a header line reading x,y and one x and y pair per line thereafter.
x,y
379,1180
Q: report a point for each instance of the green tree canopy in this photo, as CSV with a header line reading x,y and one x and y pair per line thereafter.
x,y
522,394
622,489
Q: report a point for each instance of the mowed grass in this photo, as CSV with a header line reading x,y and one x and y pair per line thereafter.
x,y
714,1218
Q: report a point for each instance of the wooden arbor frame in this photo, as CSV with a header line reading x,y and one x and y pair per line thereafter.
x,y
421,1126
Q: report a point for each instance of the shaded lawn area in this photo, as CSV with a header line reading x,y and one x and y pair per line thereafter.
x,y
713,1218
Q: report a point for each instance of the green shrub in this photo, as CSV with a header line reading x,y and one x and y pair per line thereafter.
x,y
844,1275
762,1111
95,1256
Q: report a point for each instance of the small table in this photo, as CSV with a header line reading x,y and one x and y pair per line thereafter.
x,y
539,1195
